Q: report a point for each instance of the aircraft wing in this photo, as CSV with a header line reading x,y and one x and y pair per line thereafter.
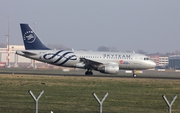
x,y
90,63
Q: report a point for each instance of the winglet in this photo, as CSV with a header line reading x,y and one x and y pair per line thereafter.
x,y
31,40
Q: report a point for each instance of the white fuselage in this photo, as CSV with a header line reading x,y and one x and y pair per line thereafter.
x,y
131,61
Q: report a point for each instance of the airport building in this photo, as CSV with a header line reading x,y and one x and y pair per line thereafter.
x,y
160,60
174,62
163,60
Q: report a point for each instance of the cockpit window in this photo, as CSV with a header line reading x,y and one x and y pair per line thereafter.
x,y
146,58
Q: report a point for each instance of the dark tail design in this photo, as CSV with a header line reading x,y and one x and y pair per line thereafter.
x,y
31,40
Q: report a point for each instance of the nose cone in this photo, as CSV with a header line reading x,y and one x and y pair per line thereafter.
x,y
152,64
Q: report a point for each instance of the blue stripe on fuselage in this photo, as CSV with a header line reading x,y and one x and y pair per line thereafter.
x,y
62,57
53,55
66,60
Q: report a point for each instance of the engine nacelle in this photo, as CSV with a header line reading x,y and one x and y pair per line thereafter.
x,y
110,68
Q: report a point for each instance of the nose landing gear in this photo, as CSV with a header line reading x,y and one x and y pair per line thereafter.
x,y
134,74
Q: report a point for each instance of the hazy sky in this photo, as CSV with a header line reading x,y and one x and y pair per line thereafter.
x,y
150,25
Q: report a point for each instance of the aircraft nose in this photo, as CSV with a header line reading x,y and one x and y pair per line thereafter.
x,y
152,64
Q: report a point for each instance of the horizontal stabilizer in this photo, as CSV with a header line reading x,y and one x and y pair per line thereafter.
x,y
29,53
25,53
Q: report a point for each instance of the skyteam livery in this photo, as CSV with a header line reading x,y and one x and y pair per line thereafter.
x,y
104,62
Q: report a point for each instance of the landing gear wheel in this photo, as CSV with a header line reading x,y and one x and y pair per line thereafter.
x,y
134,74
88,72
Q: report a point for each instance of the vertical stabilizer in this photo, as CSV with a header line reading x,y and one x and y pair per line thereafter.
x,y
31,40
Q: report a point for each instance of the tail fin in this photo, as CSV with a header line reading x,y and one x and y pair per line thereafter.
x,y
31,40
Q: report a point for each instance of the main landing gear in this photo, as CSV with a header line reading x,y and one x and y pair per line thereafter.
x,y
134,74
89,72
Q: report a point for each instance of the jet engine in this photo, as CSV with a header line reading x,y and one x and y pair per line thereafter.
x,y
109,68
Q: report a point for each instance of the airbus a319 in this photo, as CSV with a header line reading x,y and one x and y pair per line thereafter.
x,y
104,62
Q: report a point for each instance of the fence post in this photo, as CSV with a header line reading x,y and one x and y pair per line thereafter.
x,y
36,100
169,104
100,102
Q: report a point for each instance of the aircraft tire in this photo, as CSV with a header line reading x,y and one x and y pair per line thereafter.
x,y
88,73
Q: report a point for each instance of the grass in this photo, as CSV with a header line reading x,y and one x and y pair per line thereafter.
x,y
65,94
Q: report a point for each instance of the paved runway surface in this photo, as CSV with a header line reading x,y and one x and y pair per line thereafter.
x,y
147,74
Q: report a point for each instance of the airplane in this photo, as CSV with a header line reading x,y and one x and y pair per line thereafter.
x,y
104,62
